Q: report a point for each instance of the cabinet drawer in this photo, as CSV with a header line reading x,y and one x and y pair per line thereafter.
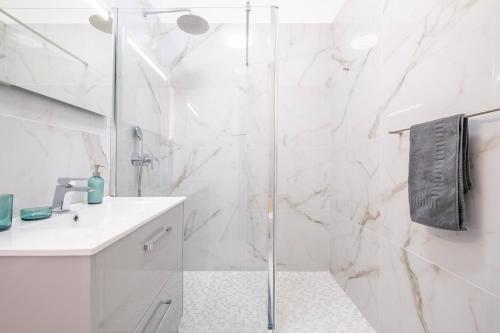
x,y
164,315
130,273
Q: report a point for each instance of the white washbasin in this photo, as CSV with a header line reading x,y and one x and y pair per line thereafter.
x,y
96,227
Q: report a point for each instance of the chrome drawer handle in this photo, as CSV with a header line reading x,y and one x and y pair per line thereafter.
x,y
168,303
150,245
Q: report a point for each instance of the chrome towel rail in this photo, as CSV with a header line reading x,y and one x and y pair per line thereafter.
x,y
401,131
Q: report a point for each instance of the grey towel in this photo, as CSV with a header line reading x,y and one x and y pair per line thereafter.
x,y
439,175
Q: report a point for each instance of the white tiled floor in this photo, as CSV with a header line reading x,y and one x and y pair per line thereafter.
x,y
224,302
236,302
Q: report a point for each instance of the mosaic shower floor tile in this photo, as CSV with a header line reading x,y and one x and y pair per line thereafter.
x,y
236,302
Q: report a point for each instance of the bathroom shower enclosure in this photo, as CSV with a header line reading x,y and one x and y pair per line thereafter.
x,y
205,104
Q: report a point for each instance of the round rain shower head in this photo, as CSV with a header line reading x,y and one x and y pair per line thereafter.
x,y
102,24
192,24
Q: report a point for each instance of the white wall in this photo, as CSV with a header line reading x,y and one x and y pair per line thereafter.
x,y
43,140
435,58
305,122
216,139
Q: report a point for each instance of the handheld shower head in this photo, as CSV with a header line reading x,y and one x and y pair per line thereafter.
x,y
138,133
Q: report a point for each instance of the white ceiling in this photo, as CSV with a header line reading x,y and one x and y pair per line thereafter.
x,y
290,11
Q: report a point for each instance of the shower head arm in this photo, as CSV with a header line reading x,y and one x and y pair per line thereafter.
x,y
166,11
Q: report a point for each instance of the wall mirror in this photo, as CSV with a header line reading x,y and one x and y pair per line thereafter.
x,y
64,54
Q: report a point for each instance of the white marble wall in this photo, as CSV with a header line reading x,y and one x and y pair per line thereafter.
x,y
210,132
142,100
434,58
42,140
218,141
305,121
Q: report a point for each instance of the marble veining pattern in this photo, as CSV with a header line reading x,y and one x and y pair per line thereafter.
x,y
215,137
45,140
434,58
209,128
305,122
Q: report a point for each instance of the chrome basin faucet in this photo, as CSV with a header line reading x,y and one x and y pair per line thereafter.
x,y
64,186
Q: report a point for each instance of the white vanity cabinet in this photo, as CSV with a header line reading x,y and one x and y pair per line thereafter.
x,y
132,273
133,285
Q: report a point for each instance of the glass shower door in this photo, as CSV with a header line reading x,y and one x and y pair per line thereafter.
x,y
199,110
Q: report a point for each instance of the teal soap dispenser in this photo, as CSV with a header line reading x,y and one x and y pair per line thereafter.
x,y
96,184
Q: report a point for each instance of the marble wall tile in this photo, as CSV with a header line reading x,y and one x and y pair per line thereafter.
x,y
470,254
216,141
142,100
304,178
36,154
306,118
356,82
355,184
440,37
47,139
435,58
429,298
302,238
354,263
443,60
213,132
303,201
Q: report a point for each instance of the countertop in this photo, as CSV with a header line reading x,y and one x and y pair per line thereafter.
x,y
98,226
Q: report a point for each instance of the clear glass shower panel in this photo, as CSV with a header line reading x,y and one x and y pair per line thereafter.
x,y
204,106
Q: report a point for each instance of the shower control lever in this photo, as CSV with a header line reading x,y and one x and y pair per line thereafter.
x,y
142,160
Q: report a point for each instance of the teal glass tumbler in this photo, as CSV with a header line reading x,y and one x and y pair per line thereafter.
x,y
6,203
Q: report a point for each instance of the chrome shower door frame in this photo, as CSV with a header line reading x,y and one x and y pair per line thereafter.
x,y
274,181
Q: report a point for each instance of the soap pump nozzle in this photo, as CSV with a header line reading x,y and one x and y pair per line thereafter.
x,y
97,173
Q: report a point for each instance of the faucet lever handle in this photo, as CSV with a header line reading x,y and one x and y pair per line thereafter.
x,y
148,160
66,181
